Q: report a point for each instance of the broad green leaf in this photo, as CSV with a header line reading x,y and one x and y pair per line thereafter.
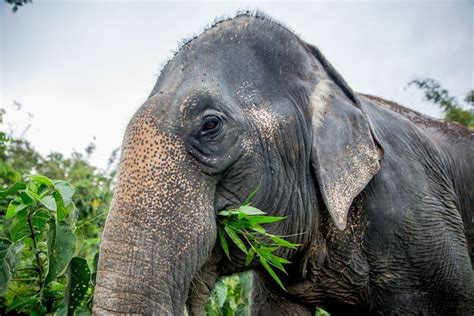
x,y
26,198
40,218
250,256
250,210
42,179
223,242
271,272
22,304
8,259
78,275
65,190
20,227
57,287
12,189
264,219
245,280
33,194
220,290
62,210
95,262
284,243
13,208
235,238
49,202
80,240
61,248
251,196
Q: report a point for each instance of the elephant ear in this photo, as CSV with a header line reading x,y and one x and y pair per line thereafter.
x,y
345,156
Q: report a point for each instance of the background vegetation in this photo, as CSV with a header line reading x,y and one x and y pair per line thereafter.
x,y
26,250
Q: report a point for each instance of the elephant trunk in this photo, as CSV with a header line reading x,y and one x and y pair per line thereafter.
x,y
160,229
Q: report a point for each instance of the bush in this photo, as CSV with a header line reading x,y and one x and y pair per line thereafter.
x,y
41,272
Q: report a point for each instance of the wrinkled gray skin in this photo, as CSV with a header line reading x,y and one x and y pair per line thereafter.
x,y
375,193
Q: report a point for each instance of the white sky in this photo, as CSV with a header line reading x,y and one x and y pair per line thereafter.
x,y
82,68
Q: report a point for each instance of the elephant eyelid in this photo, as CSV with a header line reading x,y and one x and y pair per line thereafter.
x,y
211,125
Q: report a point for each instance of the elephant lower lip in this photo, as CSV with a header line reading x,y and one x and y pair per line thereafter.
x,y
226,204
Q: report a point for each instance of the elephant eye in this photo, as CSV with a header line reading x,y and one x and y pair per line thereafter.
x,y
210,125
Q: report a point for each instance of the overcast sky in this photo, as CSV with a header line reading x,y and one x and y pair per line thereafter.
x,y
82,68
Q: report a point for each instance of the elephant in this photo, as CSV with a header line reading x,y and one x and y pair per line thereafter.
x,y
379,197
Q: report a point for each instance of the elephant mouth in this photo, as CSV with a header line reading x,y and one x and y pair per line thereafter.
x,y
225,200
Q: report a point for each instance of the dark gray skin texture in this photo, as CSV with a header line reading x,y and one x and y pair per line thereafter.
x,y
380,197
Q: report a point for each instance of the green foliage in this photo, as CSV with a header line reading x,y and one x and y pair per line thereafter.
x,y
244,227
41,245
93,188
453,110
79,277
230,296
321,312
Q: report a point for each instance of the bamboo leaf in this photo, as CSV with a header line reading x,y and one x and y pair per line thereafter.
x,y
250,256
271,272
235,238
250,210
251,196
258,229
228,212
223,242
264,219
284,243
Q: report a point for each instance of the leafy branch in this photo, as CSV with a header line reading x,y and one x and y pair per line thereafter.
x,y
452,108
39,272
243,226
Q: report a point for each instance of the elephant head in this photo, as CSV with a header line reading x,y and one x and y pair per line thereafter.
x,y
245,104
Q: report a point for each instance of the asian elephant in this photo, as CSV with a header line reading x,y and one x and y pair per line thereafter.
x,y
380,197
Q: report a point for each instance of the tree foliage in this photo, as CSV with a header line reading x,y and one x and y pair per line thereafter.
x,y
17,3
41,242
452,108
49,229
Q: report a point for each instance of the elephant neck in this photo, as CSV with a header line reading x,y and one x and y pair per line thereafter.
x,y
334,270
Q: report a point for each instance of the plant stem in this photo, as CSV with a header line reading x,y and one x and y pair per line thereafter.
x,y
24,279
37,251
27,269
92,219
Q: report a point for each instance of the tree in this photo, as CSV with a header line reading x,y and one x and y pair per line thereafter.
x,y
17,3
453,110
